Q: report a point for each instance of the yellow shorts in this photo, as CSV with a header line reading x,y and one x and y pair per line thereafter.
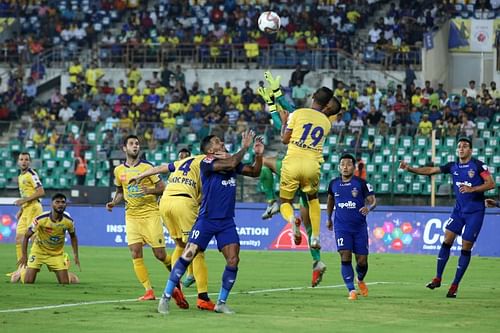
x,y
54,262
299,173
28,215
179,214
145,230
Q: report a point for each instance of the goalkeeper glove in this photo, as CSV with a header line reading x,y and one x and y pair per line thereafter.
x,y
266,94
274,83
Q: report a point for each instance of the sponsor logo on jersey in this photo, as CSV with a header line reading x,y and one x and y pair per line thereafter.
x,y
349,204
463,183
230,182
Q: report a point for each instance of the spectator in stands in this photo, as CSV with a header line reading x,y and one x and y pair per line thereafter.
x,y
373,117
80,170
467,127
298,75
338,125
435,114
300,93
415,116
425,126
65,113
471,91
356,124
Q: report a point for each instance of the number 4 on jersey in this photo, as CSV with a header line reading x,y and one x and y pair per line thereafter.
x,y
186,166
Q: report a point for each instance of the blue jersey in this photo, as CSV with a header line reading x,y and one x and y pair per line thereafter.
x,y
218,191
471,173
349,199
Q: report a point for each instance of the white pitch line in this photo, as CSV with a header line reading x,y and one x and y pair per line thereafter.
x,y
47,307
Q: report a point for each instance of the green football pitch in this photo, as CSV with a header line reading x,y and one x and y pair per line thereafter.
x,y
270,295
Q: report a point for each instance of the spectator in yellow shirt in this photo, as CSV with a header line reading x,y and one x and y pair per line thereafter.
x,y
255,106
227,89
93,74
75,72
416,99
121,89
339,92
132,89
353,92
235,96
167,118
138,98
134,75
425,126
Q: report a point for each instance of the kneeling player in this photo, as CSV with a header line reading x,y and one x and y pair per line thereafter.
x,y
353,199
48,248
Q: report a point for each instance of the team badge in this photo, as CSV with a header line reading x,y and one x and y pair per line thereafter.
x,y
354,192
123,177
471,173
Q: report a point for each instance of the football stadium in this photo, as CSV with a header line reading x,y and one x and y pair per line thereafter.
x,y
249,165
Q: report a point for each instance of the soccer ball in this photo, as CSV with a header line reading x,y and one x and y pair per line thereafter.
x,y
269,22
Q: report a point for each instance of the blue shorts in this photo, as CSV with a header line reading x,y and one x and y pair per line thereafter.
x,y
354,241
468,223
204,229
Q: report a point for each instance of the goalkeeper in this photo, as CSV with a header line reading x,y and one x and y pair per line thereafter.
x,y
272,165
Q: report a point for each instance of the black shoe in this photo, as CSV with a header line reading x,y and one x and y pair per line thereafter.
x,y
435,283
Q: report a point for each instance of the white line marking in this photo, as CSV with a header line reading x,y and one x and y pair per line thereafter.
x,y
47,307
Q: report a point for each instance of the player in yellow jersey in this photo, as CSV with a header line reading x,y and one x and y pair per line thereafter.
x,y
48,247
31,190
179,209
304,131
142,217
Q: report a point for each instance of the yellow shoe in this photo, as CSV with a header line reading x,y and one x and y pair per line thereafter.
x,y
353,295
363,289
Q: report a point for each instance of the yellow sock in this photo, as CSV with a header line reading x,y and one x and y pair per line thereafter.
x,y
19,251
315,216
142,273
168,262
286,210
176,254
190,270
200,271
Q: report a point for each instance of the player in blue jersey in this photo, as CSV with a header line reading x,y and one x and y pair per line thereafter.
x,y
353,199
216,215
471,179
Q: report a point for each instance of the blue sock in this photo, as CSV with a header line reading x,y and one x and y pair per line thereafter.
x,y
442,259
228,279
463,263
361,270
177,271
348,275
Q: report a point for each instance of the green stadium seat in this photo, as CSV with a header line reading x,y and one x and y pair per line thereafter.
x,y
15,146
422,142
416,188
450,143
378,159
67,163
334,159
332,140
400,188
391,140
406,142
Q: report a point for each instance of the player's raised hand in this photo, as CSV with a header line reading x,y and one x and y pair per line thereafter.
x,y
266,94
274,83
247,138
109,206
490,203
258,146
403,165
329,224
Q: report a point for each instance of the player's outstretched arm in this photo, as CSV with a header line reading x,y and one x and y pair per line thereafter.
x,y
424,171
74,245
161,169
24,257
330,203
254,169
233,161
157,190
116,200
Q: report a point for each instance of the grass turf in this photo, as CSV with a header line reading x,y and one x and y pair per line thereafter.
x,y
401,303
